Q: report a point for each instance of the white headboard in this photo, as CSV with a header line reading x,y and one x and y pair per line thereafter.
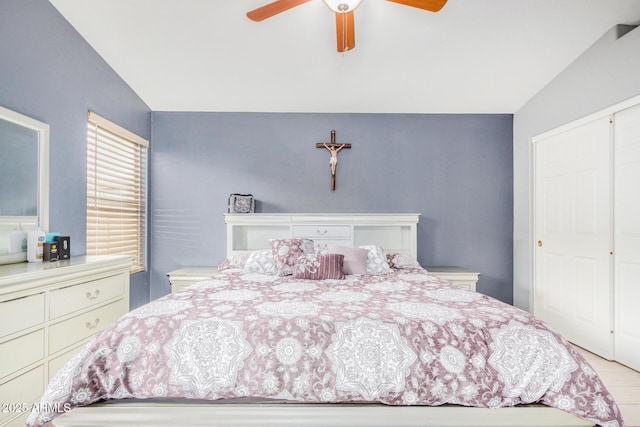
x,y
393,232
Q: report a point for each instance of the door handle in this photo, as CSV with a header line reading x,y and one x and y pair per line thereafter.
x,y
540,243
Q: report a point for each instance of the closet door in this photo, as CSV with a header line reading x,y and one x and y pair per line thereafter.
x,y
573,235
627,236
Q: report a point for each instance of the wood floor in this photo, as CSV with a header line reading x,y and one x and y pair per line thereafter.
x,y
623,383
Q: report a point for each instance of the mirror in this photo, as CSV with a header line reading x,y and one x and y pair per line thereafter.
x,y
24,179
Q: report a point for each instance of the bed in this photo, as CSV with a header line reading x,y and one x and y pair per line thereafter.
x,y
290,339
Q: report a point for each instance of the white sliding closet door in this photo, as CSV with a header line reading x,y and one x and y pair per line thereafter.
x,y
573,234
627,237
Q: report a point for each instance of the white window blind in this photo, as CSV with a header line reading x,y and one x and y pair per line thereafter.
x,y
116,191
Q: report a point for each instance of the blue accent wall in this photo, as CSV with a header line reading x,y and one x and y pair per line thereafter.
x,y
50,73
456,170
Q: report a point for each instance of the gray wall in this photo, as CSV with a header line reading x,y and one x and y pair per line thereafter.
x,y
49,72
456,170
606,74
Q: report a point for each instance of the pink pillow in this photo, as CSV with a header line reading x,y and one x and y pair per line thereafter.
x,y
318,266
355,259
286,251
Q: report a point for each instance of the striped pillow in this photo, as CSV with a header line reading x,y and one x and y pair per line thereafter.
x,y
319,266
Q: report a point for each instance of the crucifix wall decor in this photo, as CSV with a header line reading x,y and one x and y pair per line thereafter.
x,y
333,160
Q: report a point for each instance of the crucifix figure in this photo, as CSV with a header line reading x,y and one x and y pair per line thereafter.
x,y
333,149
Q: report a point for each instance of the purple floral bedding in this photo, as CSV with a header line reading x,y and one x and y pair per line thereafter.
x,y
403,338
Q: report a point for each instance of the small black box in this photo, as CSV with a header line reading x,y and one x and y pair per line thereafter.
x,y
64,247
50,252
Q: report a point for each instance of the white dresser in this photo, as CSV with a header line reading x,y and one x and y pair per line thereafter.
x,y
47,312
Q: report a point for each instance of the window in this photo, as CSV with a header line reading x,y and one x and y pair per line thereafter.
x,y
116,191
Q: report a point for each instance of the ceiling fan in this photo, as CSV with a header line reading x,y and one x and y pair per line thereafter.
x,y
343,9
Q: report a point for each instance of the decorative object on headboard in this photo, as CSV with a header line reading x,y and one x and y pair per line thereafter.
x,y
333,149
241,203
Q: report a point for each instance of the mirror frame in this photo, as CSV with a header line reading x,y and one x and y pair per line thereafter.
x,y
28,222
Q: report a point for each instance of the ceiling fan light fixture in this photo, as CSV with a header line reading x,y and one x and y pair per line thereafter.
x,y
343,11
342,6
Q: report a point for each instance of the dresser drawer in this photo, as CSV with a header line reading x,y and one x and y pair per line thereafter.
x,y
21,313
21,352
58,362
77,328
73,298
22,391
324,244
322,231
19,421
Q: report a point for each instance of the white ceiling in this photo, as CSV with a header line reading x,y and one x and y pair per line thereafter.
x,y
474,56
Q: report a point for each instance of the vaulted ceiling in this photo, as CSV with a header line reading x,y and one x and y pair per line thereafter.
x,y
474,56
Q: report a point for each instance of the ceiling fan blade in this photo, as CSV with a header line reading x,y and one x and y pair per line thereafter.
x,y
430,5
273,8
345,33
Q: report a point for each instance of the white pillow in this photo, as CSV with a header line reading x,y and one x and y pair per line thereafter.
x,y
402,260
260,262
236,261
376,260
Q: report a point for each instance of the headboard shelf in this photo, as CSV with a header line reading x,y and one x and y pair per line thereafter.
x,y
396,232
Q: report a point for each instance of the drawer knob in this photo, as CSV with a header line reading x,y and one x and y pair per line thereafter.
x,y
91,326
321,233
93,296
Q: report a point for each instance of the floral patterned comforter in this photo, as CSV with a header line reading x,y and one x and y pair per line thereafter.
x,y
404,338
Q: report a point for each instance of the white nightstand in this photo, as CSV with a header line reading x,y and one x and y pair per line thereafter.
x,y
457,275
184,277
